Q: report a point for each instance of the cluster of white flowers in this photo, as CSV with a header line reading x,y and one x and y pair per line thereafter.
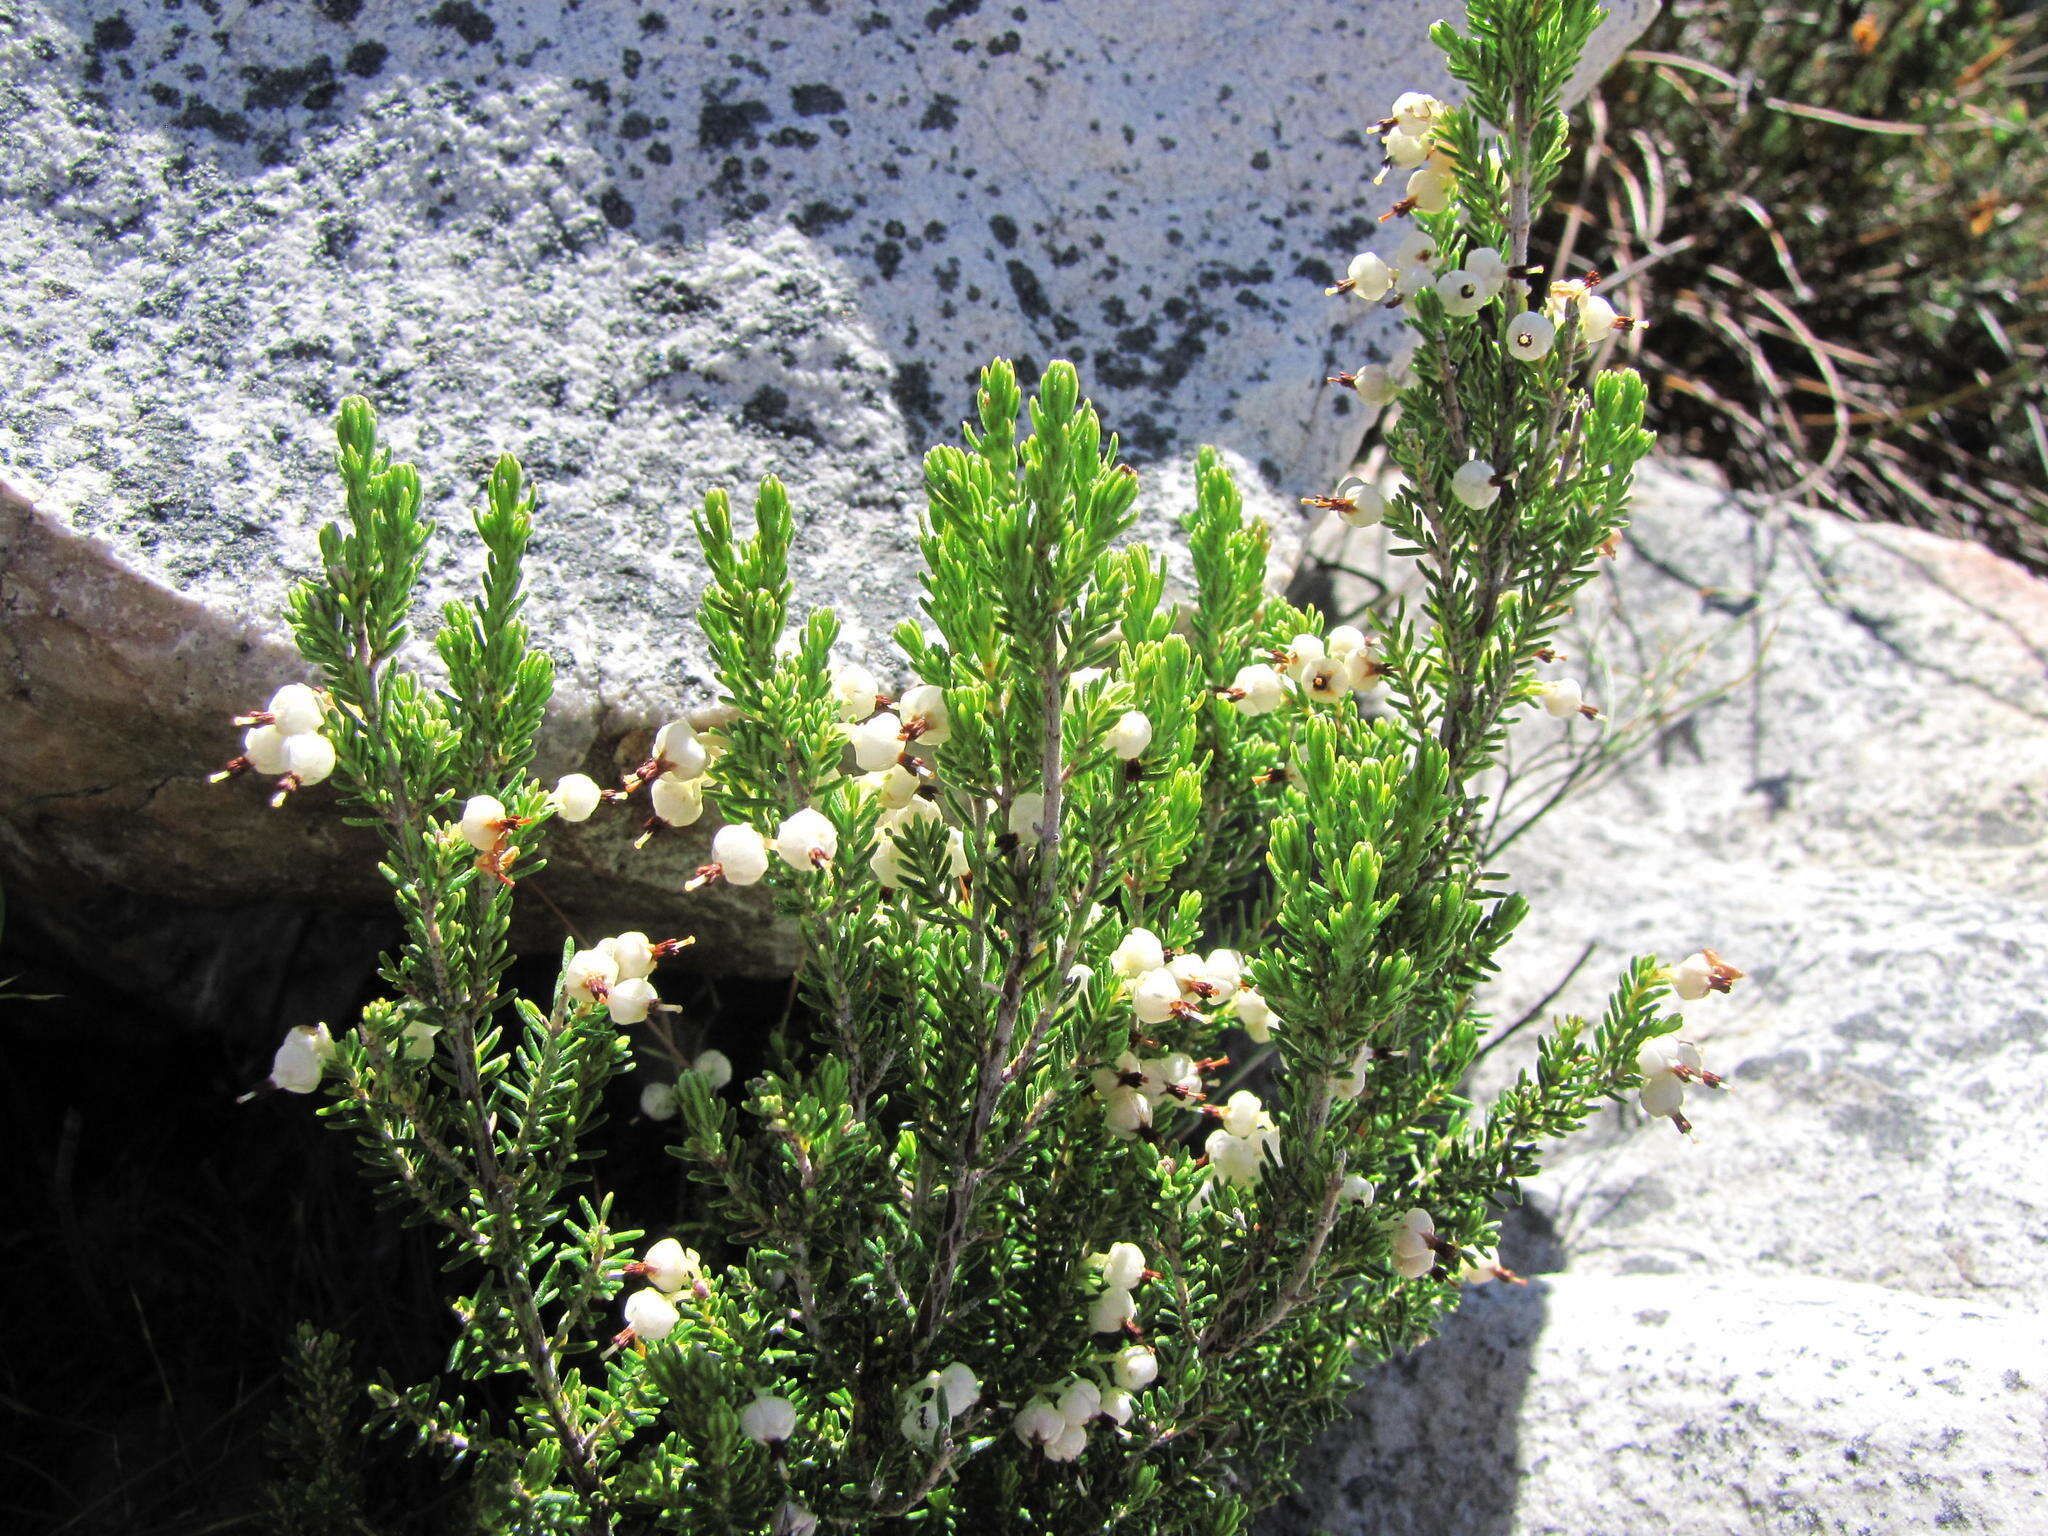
x,y
1056,1420
887,858
283,740
675,772
1114,1309
668,1267
936,1401
1131,1089
1238,1148
1669,1065
880,736
1416,1245
615,972
658,1099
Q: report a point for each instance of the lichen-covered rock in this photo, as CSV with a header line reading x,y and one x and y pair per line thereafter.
x,y
650,251
1598,1405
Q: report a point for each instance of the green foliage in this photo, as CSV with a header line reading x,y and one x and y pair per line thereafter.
x,y
1832,215
315,1442
921,1173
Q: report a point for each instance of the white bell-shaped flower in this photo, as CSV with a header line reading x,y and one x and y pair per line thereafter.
x,y
807,840
1462,294
1414,1249
1122,1265
1473,484
670,1266
308,758
483,821
679,802
1530,336
1111,1309
1130,735
589,974
768,1420
878,741
923,709
677,748
1027,818
575,796
740,853
855,690
1139,952
301,1058
1135,1367
1370,277
629,1001
1259,689
651,1315
296,710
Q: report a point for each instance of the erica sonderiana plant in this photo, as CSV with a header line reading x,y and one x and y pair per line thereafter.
x,y
999,1239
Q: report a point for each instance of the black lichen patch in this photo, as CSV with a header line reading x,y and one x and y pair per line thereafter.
x,y
922,406
767,409
635,125
1030,295
231,126
815,218
341,11
816,100
723,124
941,16
673,296
310,85
469,22
943,114
112,33
366,60
888,258
1004,228
616,208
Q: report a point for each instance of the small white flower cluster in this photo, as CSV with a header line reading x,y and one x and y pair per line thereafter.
x,y
283,740
1669,1065
1055,1421
1417,1247
658,1099
667,1267
1131,1089
1325,668
1595,316
677,768
1238,1148
936,1401
880,736
616,972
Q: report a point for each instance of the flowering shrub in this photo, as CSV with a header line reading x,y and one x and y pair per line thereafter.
x,y
1004,1238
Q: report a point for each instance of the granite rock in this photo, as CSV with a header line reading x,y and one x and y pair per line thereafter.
x,y
1639,1405
1822,1312
650,252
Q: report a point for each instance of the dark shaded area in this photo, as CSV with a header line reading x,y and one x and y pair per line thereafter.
x,y
161,1242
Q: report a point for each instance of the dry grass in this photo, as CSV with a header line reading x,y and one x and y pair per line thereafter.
x,y
1833,217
